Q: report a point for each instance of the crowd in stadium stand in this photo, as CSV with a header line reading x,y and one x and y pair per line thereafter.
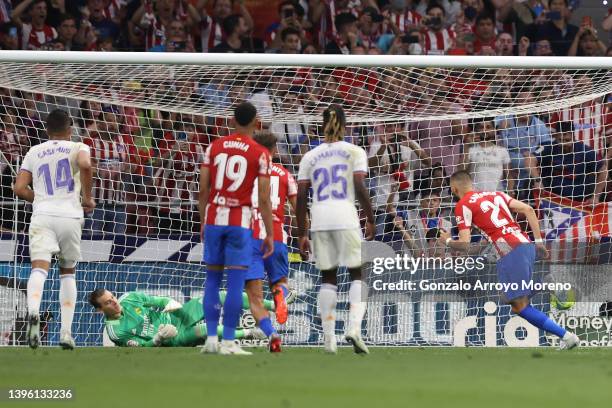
x,y
147,159
472,27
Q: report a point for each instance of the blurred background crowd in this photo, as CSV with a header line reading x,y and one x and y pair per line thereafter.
x,y
468,27
147,160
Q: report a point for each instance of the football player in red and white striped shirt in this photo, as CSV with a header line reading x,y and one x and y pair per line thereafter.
x,y
283,189
437,38
227,178
491,212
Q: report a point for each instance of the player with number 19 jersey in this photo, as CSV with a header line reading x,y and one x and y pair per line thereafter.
x,y
489,212
234,163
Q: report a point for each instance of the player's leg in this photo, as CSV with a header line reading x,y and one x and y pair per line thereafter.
x,y
43,244
254,289
349,242
237,254
213,258
323,248
517,266
277,267
68,232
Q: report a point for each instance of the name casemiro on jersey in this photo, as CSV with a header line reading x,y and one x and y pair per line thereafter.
x,y
461,285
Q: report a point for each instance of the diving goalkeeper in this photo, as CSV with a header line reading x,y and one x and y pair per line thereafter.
x,y
140,320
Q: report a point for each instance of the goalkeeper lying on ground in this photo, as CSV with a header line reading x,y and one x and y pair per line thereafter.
x,y
140,320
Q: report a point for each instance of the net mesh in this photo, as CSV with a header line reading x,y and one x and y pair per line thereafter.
x,y
148,127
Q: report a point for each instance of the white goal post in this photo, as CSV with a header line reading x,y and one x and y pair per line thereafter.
x,y
149,116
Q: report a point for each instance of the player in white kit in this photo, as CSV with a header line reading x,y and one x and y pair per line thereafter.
x,y
57,170
336,170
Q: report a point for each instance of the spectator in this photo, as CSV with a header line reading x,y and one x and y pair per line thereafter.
x,y
346,35
290,41
110,159
102,25
503,45
237,39
153,21
484,40
438,39
568,168
521,134
412,43
429,215
555,28
543,48
176,178
90,113
66,34
440,138
211,31
13,144
488,163
452,8
586,44
9,36
176,39
393,157
37,32
400,18
290,16
291,134
369,27
323,13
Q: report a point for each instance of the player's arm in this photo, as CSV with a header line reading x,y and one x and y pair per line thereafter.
x,y
86,176
530,214
21,188
265,209
204,192
167,304
364,201
461,244
301,211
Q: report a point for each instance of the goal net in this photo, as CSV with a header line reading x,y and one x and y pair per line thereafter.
x,y
536,129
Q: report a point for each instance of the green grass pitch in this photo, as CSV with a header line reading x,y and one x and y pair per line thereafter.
x,y
305,377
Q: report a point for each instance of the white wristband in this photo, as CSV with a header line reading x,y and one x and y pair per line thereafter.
x,y
449,239
539,241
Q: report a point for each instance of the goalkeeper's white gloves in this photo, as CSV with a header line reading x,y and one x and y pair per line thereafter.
x,y
172,306
164,332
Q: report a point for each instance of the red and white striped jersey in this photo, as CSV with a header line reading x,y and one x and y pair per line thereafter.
x,y
234,163
109,157
32,39
211,34
591,122
440,42
489,212
176,181
282,186
404,20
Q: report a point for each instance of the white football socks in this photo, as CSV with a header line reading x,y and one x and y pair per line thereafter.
x,y
357,306
328,298
36,285
67,299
